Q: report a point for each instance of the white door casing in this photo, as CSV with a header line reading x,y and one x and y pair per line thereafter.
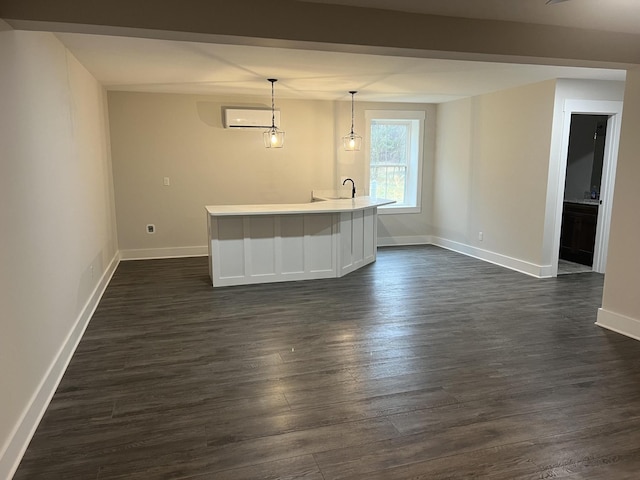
x,y
589,107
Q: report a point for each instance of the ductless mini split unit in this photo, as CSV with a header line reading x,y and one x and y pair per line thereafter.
x,y
239,118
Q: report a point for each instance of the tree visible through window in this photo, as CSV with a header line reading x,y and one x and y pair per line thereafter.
x,y
389,159
395,158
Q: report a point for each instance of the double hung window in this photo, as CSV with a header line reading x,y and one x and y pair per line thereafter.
x,y
394,154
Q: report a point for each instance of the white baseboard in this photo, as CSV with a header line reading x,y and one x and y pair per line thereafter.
x,y
522,266
546,271
619,323
174,252
404,241
26,427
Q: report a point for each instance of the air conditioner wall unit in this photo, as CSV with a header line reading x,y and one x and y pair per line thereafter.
x,y
241,118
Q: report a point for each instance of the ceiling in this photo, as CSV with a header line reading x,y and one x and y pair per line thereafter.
x,y
151,65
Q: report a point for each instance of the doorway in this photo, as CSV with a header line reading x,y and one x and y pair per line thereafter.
x,y
583,179
612,110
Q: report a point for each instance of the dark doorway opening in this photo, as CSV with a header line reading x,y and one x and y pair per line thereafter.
x,y
585,159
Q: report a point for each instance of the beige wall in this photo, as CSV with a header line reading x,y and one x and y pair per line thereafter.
x,y
491,170
623,267
453,168
58,228
181,137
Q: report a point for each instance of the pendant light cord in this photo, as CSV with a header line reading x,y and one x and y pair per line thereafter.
x,y
273,105
352,111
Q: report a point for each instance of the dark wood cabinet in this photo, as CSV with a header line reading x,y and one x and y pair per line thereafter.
x,y
578,235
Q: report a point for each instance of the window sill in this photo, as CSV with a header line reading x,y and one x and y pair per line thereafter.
x,y
391,210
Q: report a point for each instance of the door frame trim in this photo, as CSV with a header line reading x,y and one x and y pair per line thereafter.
x,y
590,107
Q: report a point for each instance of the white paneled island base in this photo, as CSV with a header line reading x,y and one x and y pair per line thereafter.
x,y
277,243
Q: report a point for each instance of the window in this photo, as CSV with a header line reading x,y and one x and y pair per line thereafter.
x,y
394,153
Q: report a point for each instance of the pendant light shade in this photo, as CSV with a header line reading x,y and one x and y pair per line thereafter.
x,y
351,141
274,137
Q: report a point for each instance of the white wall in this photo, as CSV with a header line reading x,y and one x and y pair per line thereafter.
x,y
492,158
182,137
621,302
58,230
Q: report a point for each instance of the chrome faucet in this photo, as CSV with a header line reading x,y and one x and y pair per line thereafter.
x,y
353,187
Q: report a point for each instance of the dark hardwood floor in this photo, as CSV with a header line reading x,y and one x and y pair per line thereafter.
x,y
424,365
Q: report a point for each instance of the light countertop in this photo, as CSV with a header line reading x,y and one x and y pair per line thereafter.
x,y
325,206
585,201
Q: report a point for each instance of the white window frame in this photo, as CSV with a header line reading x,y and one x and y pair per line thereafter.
x,y
414,170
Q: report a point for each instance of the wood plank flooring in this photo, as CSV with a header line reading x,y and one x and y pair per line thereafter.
x,y
424,365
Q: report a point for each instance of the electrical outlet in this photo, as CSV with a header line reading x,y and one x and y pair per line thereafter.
x,y
166,182
480,236
151,228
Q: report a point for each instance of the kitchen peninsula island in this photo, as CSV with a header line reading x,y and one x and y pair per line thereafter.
x,y
284,242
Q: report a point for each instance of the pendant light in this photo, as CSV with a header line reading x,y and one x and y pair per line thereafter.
x,y
351,141
273,138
